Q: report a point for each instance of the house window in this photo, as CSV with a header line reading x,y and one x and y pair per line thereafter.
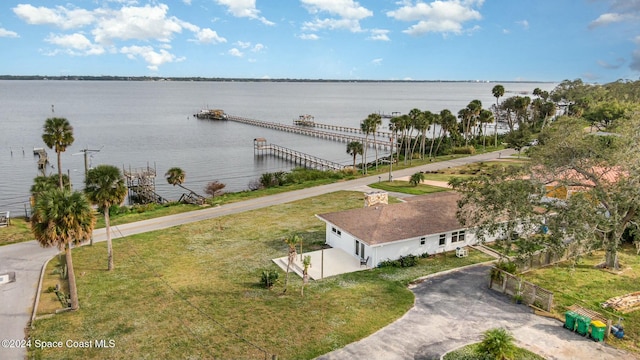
x,y
357,247
457,236
336,231
423,241
442,240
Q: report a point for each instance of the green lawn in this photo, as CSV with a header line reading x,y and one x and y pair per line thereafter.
x,y
406,188
588,286
193,290
18,231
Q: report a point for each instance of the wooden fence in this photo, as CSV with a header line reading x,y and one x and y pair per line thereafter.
x,y
530,293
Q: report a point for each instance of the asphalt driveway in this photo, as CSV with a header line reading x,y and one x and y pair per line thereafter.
x,y
453,309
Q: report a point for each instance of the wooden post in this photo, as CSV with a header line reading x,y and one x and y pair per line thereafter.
x,y
322,264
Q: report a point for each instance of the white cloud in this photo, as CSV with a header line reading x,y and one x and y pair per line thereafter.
x,y
610,18
258,48
235,52
442,16
153,58
348,12
7,33
309,37
377,61
379,35
59,16
76,44
243,44
244,8
125,27
208,36
187,2
140,23
524,24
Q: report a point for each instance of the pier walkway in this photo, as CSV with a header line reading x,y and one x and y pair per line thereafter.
x,y
260,147
346,129
305,130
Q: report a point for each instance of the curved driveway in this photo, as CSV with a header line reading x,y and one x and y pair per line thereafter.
x,y
453,309
26,259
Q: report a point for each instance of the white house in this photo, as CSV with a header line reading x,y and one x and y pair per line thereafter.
x,y
425,223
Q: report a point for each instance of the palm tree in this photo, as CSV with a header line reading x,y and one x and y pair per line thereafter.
x,y
497,91
448,123
44,183
58,135
374,121
485,118
354,149
364,127
105,186
60,218
416,178
291,241
175,176
435,120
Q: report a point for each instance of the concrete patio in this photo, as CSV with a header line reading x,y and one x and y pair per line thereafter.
x,y
324,263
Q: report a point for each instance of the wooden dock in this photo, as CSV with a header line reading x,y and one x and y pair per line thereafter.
x,y
260,147
309,131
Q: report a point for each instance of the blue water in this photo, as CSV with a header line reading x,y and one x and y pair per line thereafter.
x,y
135,124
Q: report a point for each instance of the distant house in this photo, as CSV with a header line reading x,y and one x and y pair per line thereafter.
x,y
423,224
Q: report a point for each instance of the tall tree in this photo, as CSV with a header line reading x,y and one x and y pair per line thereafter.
x,y
354,148
105,186
365,127
498,92
60,218
374,121
447,123
486,117
58,135
434,120
601,174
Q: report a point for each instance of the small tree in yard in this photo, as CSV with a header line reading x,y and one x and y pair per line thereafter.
x,y
214,188
497,344
292,241
305,273
416,178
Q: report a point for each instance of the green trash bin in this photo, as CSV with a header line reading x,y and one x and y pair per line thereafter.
x,y
570,320
597,330
582,326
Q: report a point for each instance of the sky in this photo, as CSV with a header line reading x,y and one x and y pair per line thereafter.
x,y
597,41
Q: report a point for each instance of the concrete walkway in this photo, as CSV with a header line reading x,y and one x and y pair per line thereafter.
x,y
26,259
454,309
324,263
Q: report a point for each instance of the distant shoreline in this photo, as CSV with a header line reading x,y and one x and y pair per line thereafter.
x,y
216,79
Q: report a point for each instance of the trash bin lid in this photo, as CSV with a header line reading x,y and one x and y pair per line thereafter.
x,y
598,323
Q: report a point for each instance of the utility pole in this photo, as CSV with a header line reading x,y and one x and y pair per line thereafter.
x,y
86,152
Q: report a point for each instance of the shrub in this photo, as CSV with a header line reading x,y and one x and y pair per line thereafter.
x,y
507,266
269,278
498,343
402,261
469,150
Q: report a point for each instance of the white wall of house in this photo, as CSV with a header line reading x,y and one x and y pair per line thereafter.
x,y
431,244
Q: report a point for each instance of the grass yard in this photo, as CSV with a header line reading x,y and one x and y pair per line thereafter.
x,y
406,188
18,231
470,170
193,292
588,286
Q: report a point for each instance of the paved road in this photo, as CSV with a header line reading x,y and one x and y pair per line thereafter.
x,y
453,309
26,259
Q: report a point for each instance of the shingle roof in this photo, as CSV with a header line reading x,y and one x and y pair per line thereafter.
x,y
420,216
